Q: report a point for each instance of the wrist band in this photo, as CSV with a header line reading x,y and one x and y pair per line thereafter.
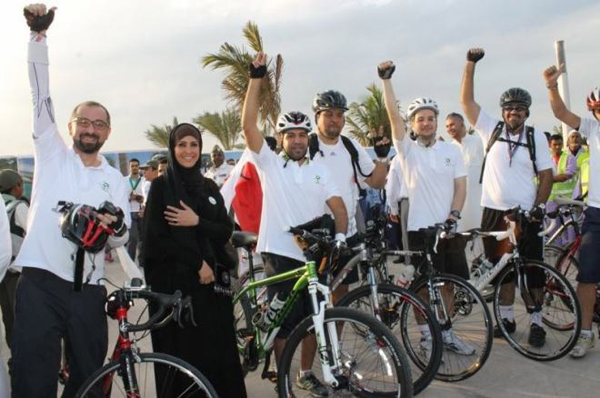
x,y
340,236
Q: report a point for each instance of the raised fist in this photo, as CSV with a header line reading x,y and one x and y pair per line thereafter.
x,y
37,18
551,75
258,68
475,54
385,70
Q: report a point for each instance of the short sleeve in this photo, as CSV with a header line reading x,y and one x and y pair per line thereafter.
x,y
460,169
331,188
364,160
265,158
589,127
485,125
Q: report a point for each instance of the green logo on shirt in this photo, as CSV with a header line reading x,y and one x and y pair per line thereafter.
x,y
105,186
317,179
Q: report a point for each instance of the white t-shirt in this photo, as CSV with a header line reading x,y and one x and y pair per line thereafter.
x,y
339,163
508,184
292,195
5,242
429,174
219,174
135,186
395,188
590,129
471,149
61,175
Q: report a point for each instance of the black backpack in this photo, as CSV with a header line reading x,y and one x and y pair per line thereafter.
x,y
530,145
313,148
17,234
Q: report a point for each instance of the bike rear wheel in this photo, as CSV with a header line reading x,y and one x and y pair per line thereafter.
x,y
180,379
372,362
401,310
559,307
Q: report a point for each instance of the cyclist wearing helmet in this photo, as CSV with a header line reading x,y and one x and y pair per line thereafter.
x,y
47,307
515,155
589,261
296,190
436,182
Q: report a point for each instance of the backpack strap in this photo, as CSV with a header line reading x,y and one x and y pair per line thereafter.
x,y
493,138
11,207
531,147
313,146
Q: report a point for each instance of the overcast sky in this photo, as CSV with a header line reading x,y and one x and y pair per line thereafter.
x,y
142,58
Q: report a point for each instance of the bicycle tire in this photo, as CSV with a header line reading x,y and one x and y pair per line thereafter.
x,y
553,253
380,342
477,331
95,385
396,307
555,285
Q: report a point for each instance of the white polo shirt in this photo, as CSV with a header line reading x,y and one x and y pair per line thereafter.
x,y
59,174
292,195
471,149
429,174
395,188
507,183
339,163
219,174
590,129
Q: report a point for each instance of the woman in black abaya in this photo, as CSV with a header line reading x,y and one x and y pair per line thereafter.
x,y
185,225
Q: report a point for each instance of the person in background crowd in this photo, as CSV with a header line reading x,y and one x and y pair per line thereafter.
x,y
5,258
219,171
471,149
11,188
185,228
150,173
136,198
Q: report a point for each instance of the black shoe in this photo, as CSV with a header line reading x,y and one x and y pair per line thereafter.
x,y
510,327
537,336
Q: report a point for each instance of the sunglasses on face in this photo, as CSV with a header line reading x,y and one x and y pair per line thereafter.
x,y
514,108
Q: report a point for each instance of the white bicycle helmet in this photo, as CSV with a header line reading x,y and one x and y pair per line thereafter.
x,y
593,100
293,120
421,103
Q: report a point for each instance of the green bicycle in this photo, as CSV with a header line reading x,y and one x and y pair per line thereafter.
x,y
356,352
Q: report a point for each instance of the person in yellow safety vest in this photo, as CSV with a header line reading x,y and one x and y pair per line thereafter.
x,y
565,179
581,189
575,148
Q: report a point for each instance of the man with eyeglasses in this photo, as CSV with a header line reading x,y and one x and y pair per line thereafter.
x,y
48,309
515,154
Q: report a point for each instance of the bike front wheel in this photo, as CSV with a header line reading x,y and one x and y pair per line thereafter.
x,y
540,288
178,378
370,360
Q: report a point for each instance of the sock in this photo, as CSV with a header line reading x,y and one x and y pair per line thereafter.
x,y
304,373
506,312
536,317
587,333
425,332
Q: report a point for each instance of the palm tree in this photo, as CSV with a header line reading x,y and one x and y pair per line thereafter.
x,y
368,118
235,61
225,126
159,135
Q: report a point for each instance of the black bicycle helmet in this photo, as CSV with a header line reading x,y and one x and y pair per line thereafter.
x,y
80,225
330,99
515,95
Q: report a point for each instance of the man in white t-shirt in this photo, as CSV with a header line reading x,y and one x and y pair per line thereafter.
x,y
135,182
518,154
219,171
436,182
5,256
48,307
472,152
589,258
295,191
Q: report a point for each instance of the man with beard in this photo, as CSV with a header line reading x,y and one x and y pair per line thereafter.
x,y
220,169
515,155
48,308
295,191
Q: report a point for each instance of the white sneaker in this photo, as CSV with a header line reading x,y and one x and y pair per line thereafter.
x,y
454,343
584,343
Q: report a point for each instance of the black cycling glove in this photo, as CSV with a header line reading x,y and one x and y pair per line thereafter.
x,y
381,150
386,73
538,212
118,227
38,23
450,226
475,54
257,72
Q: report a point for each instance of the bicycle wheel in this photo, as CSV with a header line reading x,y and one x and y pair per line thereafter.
x,y
401,311
372,362
552,254
180,379
559,306
469,327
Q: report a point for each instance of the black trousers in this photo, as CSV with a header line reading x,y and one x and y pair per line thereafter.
x,y
47,311
8,289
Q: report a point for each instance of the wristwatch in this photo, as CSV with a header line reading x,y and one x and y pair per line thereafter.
x,y
456,214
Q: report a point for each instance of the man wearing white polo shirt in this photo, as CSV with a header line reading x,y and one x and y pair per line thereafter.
x,y
436,182
589,260
48,308
296,191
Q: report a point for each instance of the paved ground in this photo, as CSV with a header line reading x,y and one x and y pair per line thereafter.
x,y
506,373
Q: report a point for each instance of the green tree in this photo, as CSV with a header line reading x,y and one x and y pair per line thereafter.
x,y
235,61
159,135
225,126
368,117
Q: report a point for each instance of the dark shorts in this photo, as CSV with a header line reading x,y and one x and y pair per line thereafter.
x,y
352,277
589,251
450,257
531,245
275,264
